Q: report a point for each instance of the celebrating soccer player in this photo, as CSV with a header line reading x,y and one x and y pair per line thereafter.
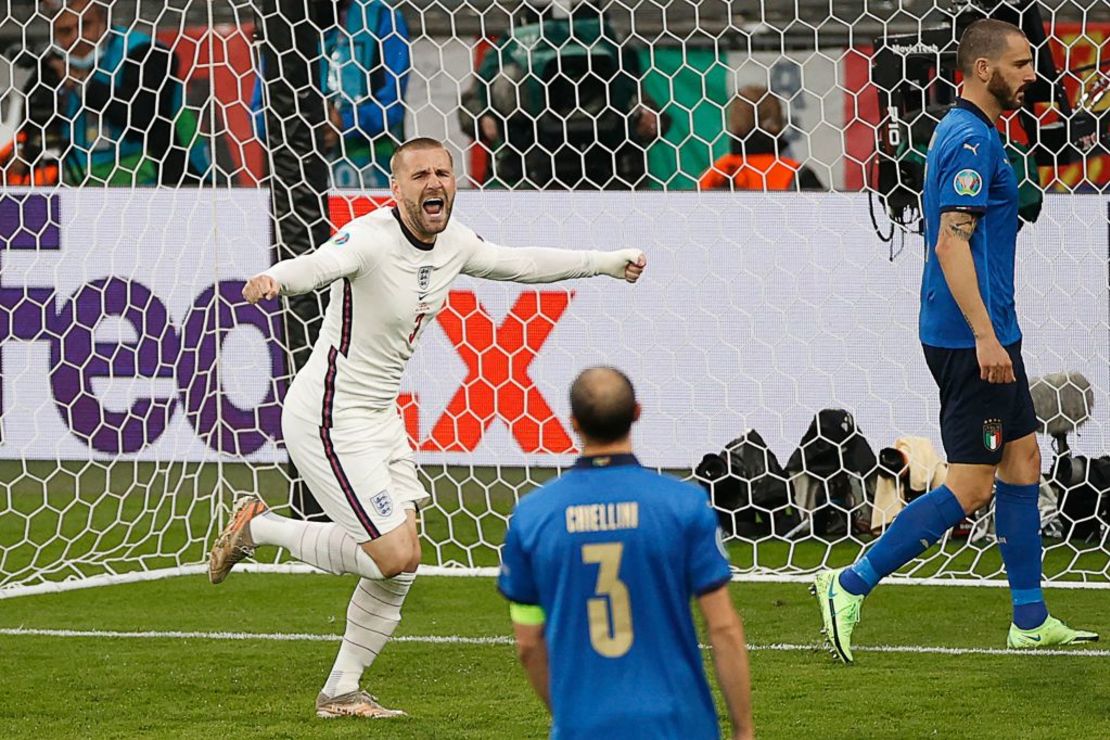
x,y
390,273
599,568
972,343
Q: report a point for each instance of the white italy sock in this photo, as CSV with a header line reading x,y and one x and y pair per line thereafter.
x,y
372,615
327,546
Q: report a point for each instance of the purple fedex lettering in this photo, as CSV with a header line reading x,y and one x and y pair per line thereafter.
x,y
28,221
76,358
222,425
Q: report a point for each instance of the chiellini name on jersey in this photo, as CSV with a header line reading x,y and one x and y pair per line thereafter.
x,y
603,517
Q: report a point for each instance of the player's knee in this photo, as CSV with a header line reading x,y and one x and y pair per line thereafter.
x,y
391,553
976,499
414,561
972,495
972,485
1033,461
395,552
1022,465
391,565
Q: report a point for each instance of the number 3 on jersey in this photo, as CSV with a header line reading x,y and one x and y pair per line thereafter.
x,y
416,327
610,613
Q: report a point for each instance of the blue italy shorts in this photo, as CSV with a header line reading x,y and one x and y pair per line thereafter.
x,y
978,418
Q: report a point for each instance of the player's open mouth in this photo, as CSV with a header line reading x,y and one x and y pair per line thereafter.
x,y
433,206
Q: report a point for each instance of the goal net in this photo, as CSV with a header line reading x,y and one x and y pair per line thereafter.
x,y
765,156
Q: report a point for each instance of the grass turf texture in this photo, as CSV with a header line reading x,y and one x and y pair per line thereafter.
x,y
118,687
61,520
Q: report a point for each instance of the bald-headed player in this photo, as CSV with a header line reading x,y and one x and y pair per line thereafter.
x,y
390,272
600,567
972,344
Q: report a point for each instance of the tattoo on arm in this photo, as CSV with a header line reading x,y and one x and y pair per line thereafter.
x,y
959,224
969,324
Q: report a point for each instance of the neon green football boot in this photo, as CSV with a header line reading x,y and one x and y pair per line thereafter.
x,y
839,612
1050,634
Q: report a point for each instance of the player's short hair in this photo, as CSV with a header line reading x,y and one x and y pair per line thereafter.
x,y
603,402
985,38
420,142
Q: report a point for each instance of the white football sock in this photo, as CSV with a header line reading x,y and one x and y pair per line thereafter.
x,y
327,546
372,615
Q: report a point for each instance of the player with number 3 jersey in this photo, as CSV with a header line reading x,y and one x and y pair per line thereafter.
x,y
600,567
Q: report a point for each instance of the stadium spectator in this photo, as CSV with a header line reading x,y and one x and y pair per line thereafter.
x,y
559,104
108,101
616,552
756,159
364,71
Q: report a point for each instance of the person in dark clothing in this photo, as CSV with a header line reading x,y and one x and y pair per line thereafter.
x,y
110,100
365,64
559,103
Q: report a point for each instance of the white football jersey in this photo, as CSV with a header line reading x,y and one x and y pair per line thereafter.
x,y
386,287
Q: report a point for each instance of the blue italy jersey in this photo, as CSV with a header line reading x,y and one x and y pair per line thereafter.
x,y
967,170
613,553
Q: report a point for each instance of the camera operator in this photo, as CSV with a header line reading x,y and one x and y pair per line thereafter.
x,y
109,99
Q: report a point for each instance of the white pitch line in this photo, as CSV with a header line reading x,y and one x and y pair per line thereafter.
x,y
502,640
273,636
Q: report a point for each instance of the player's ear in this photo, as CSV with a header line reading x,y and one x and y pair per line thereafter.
x,y
636,413
574,424
983,69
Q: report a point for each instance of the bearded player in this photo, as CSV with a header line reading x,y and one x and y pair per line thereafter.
x,y
969,331
390,272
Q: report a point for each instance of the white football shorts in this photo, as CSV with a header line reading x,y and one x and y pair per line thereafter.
x,y
361,470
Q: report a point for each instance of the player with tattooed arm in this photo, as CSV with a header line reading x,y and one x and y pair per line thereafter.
x,y
969,332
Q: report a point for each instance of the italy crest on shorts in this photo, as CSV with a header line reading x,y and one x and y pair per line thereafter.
x,y
992,434
382,503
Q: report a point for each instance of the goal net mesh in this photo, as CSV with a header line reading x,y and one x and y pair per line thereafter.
x,y
765,156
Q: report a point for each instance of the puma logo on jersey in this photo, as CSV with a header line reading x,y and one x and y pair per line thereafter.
x,y
973,149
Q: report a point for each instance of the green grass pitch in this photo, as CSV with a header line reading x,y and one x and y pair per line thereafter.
x,y
159,685
175,686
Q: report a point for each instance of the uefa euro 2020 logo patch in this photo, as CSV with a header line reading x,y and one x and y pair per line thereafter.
x,y
967,182
382,503
341,238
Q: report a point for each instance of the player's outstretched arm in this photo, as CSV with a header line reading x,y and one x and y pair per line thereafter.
x,y
954,254
730,658
545,265
344,255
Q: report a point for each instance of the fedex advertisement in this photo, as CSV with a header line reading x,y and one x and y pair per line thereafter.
x,y
123,334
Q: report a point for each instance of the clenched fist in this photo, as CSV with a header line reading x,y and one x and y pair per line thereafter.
x,y
635,268
623,264
261,287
